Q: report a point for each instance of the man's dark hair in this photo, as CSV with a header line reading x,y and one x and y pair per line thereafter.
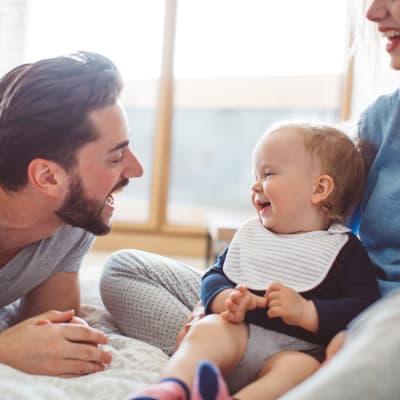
x,y
44,109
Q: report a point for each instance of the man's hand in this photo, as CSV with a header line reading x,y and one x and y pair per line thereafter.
x,y
73,320
239,302
285,303
53,343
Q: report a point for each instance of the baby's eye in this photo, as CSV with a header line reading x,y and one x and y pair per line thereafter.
x,y
267,174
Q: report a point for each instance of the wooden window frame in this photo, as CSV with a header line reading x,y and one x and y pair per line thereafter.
x,y
158,235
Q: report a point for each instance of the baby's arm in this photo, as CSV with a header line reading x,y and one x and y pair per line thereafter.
x,y
239,302
285,303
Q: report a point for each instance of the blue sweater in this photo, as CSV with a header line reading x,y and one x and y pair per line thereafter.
x,y
379,228
348,289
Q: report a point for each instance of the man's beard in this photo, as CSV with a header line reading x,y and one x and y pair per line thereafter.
x,y
78,210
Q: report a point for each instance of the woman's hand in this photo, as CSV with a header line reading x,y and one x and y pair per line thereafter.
x,y
195,315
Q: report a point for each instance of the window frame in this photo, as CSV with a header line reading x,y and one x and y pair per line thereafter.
x,y
157,234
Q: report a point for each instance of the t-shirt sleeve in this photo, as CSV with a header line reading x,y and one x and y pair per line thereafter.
x,y
34,264
77,244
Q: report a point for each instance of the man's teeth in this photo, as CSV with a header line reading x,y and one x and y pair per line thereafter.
x,y
391,34
110,199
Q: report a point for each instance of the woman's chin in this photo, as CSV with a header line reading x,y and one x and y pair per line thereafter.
x,y
395,64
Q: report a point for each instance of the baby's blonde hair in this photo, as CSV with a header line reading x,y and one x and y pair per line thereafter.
x,y
341,159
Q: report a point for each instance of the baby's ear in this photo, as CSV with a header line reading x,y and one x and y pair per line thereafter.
x,y
323,187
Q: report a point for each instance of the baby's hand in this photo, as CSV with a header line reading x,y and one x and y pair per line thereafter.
x,y
285,303
239,302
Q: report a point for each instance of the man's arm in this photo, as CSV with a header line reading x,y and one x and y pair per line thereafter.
x,y
57,280
52,343
48,345
60,292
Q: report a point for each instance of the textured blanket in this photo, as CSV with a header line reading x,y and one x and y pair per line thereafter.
x,y
135,364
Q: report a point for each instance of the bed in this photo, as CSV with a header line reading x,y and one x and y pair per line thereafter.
x,y
135,364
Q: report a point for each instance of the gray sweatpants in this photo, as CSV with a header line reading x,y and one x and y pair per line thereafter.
x,y
149,296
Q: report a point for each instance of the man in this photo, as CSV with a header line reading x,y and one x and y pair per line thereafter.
x,y
63,152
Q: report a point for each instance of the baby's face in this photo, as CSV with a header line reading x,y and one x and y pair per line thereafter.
x,y
284,181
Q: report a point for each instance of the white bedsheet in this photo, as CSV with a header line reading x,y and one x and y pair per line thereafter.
x,y
135,364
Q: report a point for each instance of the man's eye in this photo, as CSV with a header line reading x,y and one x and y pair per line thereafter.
x,y
119,156
117,160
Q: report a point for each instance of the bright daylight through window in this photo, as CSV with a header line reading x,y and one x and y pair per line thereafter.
x,y
239,66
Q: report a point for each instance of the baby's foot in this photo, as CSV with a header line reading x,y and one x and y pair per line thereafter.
x,y
168,389
209,383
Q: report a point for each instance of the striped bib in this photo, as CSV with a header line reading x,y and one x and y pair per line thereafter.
x,y
257,257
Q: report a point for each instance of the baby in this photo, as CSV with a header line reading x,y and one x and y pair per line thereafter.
x,y
291,279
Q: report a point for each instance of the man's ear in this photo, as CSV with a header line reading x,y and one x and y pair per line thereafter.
x,y
323,187
47,176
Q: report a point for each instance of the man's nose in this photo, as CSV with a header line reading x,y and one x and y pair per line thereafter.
x,y
134,168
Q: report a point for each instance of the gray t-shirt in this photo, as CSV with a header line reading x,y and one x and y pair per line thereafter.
x,y
34,264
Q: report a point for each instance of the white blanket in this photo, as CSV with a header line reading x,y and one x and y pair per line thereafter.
x,y
135,364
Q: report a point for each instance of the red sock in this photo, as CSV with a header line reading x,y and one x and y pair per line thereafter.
x,y
167,389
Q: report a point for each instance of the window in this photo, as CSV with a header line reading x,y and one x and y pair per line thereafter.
x,y
130,33
238,67
250,38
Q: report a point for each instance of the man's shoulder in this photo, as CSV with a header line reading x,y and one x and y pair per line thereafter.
x,y
65,248
68,237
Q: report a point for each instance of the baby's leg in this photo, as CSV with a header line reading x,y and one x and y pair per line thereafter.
x,y
281,372
211,338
